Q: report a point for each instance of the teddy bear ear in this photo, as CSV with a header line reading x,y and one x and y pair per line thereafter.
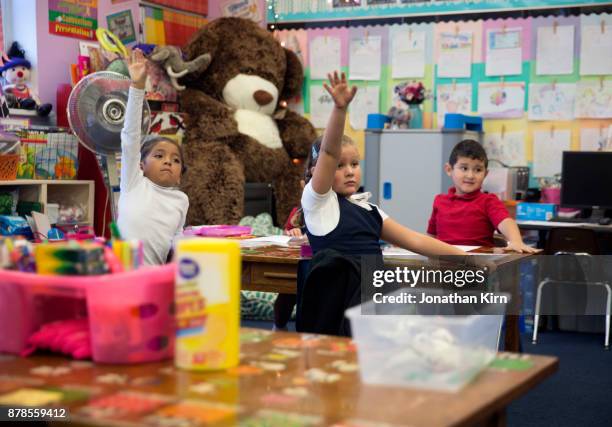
x,y
294,76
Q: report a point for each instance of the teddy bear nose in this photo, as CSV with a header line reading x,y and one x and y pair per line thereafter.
x,y
262,97
20,74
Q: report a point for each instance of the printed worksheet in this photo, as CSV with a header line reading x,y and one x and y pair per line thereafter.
x,y
407,54
455,55
555,50
504,52
596,50
364,103
365,58
324,56
321,105
548,148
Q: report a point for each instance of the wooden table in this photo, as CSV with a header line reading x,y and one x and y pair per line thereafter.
x,y
312,377
274,269
603,232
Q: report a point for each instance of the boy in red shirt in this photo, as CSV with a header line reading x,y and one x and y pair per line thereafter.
x,y
465,215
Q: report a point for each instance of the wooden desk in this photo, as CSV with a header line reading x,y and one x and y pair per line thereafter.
x,y
603,232
274,269
266,384
270,269
547,225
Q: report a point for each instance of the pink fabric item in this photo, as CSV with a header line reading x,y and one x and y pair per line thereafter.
x,y
70,337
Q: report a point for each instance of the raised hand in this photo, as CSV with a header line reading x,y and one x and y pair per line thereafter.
x,y
137,66
339,90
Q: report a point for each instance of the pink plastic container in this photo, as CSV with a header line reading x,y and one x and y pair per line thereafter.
x,y
131,316
219,231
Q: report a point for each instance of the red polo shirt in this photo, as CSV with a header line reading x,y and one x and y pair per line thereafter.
x,y
469,219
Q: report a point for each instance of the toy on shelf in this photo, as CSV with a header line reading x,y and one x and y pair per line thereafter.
x,y
164,66
9,156
16,73
171,60
114,51
411,94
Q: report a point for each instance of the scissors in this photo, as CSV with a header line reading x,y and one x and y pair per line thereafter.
x,y
111,43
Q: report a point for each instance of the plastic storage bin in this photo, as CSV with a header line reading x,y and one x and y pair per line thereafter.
x,y
131,316
423,351
377,121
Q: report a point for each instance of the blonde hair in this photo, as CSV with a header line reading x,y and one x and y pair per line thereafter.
x,y
313,155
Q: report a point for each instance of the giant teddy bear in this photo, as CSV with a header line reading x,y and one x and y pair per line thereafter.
x,y
238,127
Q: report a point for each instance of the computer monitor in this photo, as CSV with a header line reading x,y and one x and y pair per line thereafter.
x,y
585,180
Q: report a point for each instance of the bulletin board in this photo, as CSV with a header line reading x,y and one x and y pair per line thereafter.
x,y
536,99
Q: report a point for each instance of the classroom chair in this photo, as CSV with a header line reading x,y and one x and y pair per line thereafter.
x,y
577,246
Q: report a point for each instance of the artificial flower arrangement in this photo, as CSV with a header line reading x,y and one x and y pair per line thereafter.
x,y
410,94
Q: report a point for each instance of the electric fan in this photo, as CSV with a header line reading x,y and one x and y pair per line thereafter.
x,y
96,111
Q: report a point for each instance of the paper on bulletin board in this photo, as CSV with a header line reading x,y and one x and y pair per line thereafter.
x,y
501,100
453,98
504,52
593,139
324,56
455,55
321,105
596,50
554,101
507,147
365,58
247,9
548,148
366,102
594,99
554,51
408,54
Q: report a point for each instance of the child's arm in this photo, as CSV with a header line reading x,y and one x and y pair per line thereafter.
x,y
331,146
397,234
131,132
512,234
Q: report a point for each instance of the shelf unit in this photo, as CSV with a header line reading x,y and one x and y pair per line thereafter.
x,y
56,191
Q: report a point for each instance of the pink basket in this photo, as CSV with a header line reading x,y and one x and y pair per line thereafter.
x,y
130,314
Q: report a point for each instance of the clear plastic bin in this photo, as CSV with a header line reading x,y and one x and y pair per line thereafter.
x,y
422,351
131,317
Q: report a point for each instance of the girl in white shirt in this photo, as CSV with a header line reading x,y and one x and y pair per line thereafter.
x,y
151,207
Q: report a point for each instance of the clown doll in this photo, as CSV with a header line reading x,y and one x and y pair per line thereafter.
x,y
16,73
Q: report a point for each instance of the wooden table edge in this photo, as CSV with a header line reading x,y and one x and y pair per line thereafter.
x,y
480,415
